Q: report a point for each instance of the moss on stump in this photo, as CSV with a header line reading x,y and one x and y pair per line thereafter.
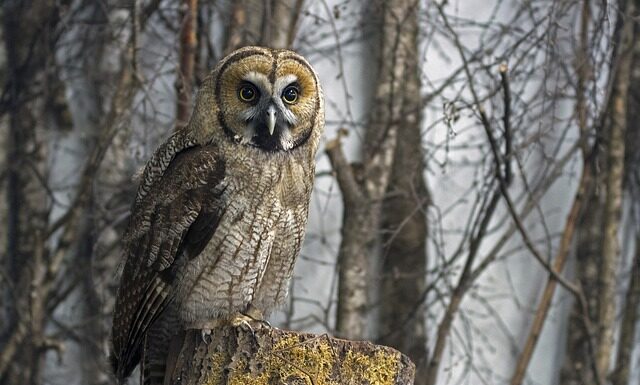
x,y
269,356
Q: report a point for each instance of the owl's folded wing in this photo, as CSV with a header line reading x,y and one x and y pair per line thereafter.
x,y
176,216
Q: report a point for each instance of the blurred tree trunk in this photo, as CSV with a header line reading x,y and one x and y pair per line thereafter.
x,y
6,311
363,188
404,224
271,23
28,51
577,367
614,182
631,306
186,67
94,333
280,19
205,55
89,84
597,248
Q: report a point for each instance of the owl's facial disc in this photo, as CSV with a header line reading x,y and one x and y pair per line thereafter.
x,y
267,116
267,99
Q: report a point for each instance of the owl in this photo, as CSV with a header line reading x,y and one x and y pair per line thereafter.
x,y
221,209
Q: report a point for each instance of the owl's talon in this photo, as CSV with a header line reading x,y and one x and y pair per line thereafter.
x,y
206,333
242,321
264,323
246,326
255,315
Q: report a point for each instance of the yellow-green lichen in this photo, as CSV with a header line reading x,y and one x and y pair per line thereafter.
x,y
381,369
242,376
289,360
310,362
215,364
311,359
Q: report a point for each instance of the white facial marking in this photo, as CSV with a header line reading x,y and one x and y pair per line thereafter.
x,y
286,140
281,83
278,87
288,115
260,80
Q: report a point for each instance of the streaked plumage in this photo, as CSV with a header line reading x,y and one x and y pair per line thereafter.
x,y
221,209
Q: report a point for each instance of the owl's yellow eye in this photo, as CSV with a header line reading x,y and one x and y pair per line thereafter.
x,y
247,93
290,94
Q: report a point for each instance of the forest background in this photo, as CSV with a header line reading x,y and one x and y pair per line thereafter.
x,y
477,198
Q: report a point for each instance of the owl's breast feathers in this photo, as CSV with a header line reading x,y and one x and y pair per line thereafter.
x,y
175,215
202,197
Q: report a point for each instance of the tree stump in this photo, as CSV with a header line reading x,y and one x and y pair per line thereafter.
x,y
233,355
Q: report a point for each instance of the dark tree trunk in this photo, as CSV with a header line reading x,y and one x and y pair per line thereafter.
x,y
404,225
577,365
615,149
364,188
631,307
597,250
186,68
28,50
627,337
271,23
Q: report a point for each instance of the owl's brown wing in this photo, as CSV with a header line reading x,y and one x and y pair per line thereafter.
x,y
173,220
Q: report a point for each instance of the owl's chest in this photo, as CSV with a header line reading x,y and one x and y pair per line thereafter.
x,y
270,214
255,224
261,208
261,212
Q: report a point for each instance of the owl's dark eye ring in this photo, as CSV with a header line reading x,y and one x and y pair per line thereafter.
x,y
247,93
290,94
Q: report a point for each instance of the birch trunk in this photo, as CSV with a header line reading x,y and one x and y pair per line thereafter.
x,y
270,23
614,184
631,308
627,339
363,194
404,225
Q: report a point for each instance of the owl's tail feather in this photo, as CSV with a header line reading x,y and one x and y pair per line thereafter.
x,y
121,369
152,373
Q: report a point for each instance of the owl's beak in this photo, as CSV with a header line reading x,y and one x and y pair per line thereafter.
x,y
271,118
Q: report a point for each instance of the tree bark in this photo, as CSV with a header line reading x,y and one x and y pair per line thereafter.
x,y
281,22
404,225
363,193
631,307
27,52
186,69
577,368
626,341
237,355
357,232
614,183
271,23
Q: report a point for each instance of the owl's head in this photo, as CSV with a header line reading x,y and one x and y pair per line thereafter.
x,y
265,98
